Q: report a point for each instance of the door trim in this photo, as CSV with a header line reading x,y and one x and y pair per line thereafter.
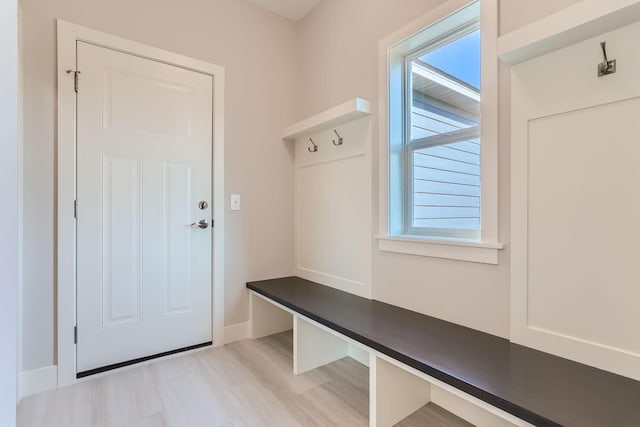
x,y
68,35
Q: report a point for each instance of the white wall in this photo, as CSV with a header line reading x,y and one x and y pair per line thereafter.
x,y
9,211
257,50
338,54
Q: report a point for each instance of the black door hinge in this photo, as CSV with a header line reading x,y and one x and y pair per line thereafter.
x,y
75,335
75,79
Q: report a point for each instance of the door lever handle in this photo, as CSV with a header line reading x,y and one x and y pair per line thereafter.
x,y
201,224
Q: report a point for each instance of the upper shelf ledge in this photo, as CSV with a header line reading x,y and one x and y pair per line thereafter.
x,y
343,113
576,23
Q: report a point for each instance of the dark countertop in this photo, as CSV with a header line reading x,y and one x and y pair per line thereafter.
x,y
540,388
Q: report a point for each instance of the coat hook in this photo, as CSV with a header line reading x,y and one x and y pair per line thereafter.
x,y
315,147
607,67
340,139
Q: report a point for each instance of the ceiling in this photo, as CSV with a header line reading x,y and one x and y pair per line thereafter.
x,y
291,9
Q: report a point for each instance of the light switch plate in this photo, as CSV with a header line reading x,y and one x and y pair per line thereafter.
x,y
235,202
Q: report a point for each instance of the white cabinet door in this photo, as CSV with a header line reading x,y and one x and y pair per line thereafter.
x,y
144,164
576,203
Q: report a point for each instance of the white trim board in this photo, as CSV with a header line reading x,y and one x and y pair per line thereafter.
x,y
576,23
20,193
68,35
237,332
9,214
38,380
343,113
485,253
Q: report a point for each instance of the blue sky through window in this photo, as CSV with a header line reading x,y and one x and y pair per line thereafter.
x,y
460,58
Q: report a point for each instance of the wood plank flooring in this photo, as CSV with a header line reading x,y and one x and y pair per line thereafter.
x,y
248,383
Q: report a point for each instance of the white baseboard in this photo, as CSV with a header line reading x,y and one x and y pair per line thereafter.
x,y
237,332
37,381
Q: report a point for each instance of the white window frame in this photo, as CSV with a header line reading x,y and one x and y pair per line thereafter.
x,y
409,145
392,52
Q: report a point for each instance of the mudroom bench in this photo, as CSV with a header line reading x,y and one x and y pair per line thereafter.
x,y
414,359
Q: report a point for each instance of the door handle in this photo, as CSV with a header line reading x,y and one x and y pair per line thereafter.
x,y
201,224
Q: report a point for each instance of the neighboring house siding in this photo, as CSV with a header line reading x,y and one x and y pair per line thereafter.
x,y
446,178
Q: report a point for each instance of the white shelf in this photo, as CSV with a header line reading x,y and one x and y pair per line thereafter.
x,y
335,116
576,23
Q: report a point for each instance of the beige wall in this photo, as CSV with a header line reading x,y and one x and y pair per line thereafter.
x,y
272,65
338,54
515,14
256,48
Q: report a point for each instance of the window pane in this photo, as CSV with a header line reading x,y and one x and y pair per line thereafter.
x,y
460,59
443,138
446,186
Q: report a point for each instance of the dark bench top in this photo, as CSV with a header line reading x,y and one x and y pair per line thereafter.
x,y
537,387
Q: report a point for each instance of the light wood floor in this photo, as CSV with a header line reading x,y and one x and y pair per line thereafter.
x,y
249,383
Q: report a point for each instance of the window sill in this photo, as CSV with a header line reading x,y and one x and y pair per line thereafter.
x,y
480,252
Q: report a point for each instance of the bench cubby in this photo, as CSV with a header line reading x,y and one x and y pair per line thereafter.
x,y
415,359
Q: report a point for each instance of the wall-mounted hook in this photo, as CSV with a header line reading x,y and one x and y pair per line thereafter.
x,y
315,147
607,67
340,139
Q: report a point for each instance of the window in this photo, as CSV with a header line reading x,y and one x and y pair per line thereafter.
x,y
442,138
439,162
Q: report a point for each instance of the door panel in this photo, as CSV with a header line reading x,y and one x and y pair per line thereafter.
x,y
121,240
179,251
144,162
126,104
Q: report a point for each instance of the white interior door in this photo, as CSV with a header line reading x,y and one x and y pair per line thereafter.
x,y
576,203
144,132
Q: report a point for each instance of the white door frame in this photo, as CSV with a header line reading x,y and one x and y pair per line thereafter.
x,y
20,192
68,35
8,215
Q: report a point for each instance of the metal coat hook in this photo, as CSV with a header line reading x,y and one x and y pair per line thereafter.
x,y
607,67
340,139
315,147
